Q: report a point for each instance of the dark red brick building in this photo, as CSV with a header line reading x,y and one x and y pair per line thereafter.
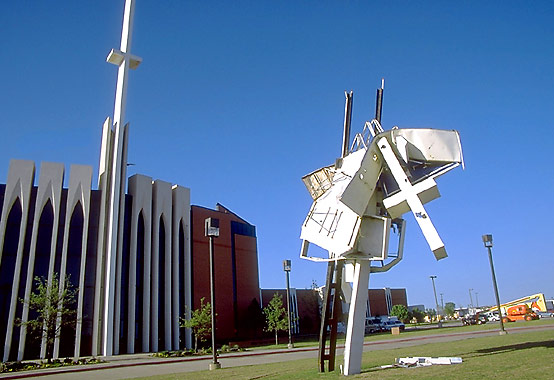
x,y
236,271
381,301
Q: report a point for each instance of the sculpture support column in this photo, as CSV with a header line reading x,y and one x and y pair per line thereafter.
x,y
356,319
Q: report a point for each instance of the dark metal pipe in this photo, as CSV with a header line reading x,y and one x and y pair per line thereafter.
x,y
347,122
379,102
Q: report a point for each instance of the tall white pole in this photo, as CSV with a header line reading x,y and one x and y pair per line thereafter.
x,y
354,345
125,61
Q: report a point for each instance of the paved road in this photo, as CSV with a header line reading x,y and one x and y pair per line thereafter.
x,y
141,365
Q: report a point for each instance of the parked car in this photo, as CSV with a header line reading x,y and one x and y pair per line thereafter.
x,y
373,325
474,319
545,314
388,325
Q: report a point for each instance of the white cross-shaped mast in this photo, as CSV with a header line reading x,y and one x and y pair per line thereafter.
x,y
125,60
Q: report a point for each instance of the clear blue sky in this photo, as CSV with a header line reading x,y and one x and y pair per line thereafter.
x,y
238,100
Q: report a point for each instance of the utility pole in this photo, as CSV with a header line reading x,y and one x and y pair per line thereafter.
x,y
487,240
436,301
212,231
286,268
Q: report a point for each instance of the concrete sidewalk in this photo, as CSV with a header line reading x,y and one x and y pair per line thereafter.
x,y
143,365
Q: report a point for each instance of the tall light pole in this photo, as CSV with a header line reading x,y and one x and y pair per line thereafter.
x,y
286,268
476,300
212,231
487,240
436,301
470,299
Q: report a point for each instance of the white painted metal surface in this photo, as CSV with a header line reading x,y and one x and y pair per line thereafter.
x,y
388,174
355,329
421,216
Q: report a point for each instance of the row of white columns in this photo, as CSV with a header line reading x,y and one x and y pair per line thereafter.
x,y
158,202
155,202
18,189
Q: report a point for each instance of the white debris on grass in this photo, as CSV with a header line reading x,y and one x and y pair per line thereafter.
x,y
423,361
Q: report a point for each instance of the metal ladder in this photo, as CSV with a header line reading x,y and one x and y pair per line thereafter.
x,y
330,315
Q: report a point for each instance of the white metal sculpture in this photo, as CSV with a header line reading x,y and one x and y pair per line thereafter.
x,y
358,200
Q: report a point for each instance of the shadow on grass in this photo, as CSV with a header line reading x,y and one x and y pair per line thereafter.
x,y
377,369
515,347
485,352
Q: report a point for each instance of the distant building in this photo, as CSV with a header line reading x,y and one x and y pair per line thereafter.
x,y
381,301
306,305
305,308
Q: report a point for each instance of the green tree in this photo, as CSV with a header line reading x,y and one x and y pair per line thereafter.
x,y
54,308
418,315
276,316
401,312
200,323
449,308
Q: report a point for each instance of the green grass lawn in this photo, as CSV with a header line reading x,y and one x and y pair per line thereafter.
x,y
527,355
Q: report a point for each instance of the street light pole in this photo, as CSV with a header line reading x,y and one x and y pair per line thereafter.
x,y
286,268
487,240
436,301
211,231
470,299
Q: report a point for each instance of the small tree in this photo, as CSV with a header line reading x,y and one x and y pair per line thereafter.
x,y
449,308
54,309
401,312
418,315
276,316
200,323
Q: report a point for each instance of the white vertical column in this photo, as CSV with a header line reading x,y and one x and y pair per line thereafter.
x,y
187,297
125,61
168,288
78,195
121,232
140,189
154,271
161,210
146,295
104,185
20,180
356,319
80,180
181,216
49,189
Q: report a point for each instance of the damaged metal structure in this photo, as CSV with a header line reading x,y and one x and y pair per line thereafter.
x,y
357,207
